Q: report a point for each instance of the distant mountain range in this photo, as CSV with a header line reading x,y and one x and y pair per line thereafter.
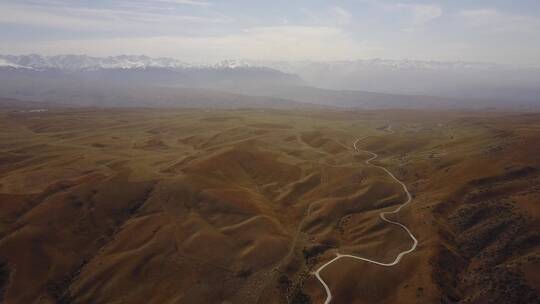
x,y
88,63
84,62
414,77
403,64
127,80
136,81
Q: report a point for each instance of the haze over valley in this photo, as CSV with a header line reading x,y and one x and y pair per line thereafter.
x,y
146,81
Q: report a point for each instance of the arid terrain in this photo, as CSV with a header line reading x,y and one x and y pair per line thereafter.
x,y
244,205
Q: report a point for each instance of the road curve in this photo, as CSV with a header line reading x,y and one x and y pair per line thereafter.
x,y
382,215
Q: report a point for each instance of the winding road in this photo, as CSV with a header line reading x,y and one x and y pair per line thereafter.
x,y
382,215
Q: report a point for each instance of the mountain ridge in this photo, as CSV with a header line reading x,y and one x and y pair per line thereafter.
x,y
124,61
70,62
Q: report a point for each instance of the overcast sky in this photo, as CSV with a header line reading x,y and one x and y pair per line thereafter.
x,y
500,31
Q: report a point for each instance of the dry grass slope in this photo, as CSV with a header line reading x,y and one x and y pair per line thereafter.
x,y
239,206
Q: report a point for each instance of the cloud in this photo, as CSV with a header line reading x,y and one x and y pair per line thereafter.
x,y
333,16
422,13
340,15
204,30
188,2
102,19
494,21
264,43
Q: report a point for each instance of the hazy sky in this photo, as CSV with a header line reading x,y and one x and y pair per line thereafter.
x,y
207,30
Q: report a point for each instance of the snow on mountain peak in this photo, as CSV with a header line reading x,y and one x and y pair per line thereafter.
x,y
89,63
6,63
232,64
83,62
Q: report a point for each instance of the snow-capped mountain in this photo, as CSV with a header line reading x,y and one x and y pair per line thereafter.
x,y
416,77
83,62
9,64
36,75
137,70
94,80
89,63
378,64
